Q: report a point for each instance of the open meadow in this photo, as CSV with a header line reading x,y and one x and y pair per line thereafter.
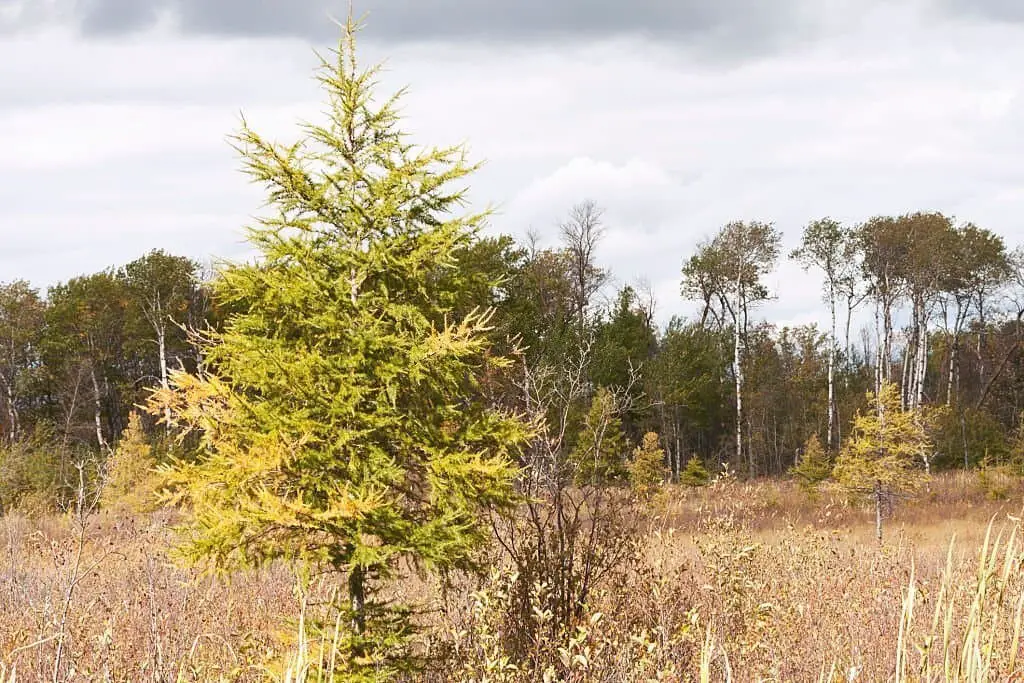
x,y
734,581
398,434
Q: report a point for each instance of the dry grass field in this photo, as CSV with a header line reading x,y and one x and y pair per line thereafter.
x,y
737,581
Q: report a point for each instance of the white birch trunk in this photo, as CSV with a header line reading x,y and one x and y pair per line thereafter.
x,y
161,342
831,372
97,410
12,410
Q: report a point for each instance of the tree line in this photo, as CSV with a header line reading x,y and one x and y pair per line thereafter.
x,y
946,300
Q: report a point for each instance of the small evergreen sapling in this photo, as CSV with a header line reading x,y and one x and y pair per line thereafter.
x,y
695,474
647,469
880,457
131,478
599,455
813,467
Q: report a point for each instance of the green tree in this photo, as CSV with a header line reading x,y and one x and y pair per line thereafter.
x,y
340,410
880,457
623,342
599,454
162,287
87,354
539,308
687,383
813,467
647,468
695,474
21,328
728,271
828,246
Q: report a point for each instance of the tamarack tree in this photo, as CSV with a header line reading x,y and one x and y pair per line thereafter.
x,y
340,411
880,457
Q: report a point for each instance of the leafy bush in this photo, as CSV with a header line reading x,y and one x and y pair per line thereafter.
x,y
34,476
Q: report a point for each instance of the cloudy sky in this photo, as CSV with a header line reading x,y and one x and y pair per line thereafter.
x,y
676,116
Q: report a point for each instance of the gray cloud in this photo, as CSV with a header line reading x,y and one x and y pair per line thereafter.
x,y
736,26
996,10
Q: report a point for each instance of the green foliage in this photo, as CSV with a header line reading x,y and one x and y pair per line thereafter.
x,y
131,480
647,469
814,466
340,410
599,454
695,474
21,329
538,309
623,342
975,431
685,377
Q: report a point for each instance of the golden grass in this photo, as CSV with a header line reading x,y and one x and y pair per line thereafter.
x,y
740,581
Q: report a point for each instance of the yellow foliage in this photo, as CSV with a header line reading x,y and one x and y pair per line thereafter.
x,y
131,479
885,446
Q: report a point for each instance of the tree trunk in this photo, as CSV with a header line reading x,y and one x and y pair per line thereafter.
x,y
887,340
954,350
905,377
963,437
981,340
849,316
737,368
12,411
921,370
831,373
357,596
878,510
879,357
739,327
161,341
97,410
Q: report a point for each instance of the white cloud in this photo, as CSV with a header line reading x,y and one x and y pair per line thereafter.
x,y
112,148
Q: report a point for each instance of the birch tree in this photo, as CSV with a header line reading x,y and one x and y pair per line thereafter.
x,y
826,245
976,264
884,246
162,286
730,269
930,238
21,328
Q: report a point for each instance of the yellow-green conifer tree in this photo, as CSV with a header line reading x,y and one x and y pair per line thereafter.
x,y
647,468
880,458
341,418
131,480
600,452
813,467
